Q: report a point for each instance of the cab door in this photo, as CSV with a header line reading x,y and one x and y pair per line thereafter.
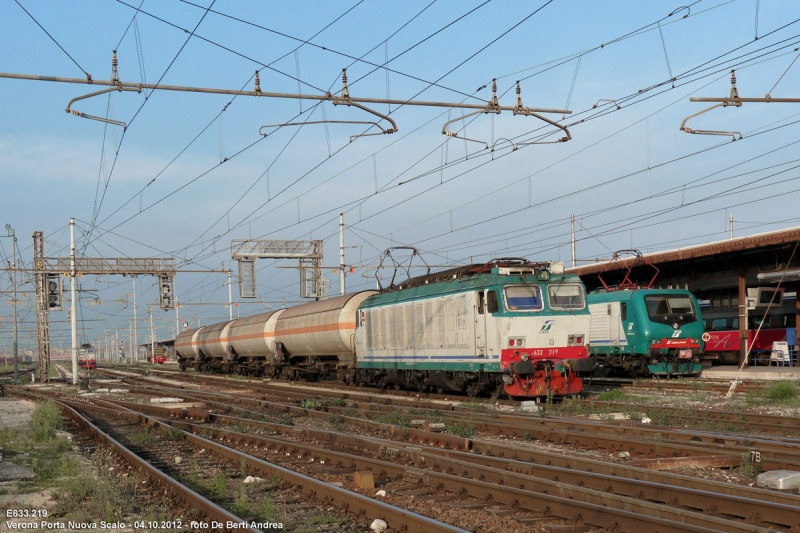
x,y
480,323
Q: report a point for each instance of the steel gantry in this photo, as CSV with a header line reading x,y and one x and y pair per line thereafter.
x,y
309,253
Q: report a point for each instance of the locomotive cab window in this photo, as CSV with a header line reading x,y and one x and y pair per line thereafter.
x,y
523,298
623,311
566,296
669,309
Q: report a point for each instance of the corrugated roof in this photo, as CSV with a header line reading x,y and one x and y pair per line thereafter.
x,y
729,246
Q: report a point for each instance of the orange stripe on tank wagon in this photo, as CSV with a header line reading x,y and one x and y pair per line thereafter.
x,y
316,329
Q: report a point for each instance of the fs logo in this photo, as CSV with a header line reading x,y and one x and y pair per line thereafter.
x,y
547,325
676,334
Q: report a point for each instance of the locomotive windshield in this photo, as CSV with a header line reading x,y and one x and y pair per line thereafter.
x,y
523,297
565,296
670,309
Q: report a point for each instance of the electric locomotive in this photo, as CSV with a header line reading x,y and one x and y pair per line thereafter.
x,y
506,327
639,330
646,331
87,356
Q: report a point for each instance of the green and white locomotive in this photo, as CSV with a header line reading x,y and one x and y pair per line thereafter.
x,y
639,330
507,326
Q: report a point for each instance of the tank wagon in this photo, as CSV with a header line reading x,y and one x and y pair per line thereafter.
x,y
307,340
508,326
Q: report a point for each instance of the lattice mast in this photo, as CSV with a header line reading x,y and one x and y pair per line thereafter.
x,y
43,324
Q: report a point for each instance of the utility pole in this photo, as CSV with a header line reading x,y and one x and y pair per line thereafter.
x,y
730,221
11,234
135,346
230,294
572,223
177,317
341,253
73,306
152,338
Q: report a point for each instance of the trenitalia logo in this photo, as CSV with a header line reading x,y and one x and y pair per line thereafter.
x,y
547,325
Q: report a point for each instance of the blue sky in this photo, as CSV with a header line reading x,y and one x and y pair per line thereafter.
x,y
630,177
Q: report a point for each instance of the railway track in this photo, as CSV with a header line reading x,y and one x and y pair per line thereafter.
x,y
490,485
302,497
715,419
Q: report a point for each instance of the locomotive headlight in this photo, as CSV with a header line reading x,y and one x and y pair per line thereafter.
x,y
512,342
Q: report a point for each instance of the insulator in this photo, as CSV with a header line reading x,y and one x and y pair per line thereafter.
x,y
114,59
344,75
258,83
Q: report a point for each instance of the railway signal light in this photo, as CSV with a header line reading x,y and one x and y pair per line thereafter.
x,y
53,291
167,291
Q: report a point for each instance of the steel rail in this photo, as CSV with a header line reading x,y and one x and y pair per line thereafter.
x,y
266,94
180,491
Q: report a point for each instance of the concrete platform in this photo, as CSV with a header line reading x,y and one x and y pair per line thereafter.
x,y
752,373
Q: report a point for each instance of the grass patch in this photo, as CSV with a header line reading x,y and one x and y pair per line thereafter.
x,y
613,395
218,486
267,510
48,456
460,429
781,392
241,507
97,494
336,402
394,418
143,438
45,421
746,467
174,433
310,404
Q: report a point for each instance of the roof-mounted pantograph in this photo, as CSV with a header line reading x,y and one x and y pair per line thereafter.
x,y
344,98
734,100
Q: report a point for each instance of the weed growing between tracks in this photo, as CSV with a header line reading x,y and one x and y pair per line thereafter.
x,y
746,467
782,392
96,494
143,438
613,395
